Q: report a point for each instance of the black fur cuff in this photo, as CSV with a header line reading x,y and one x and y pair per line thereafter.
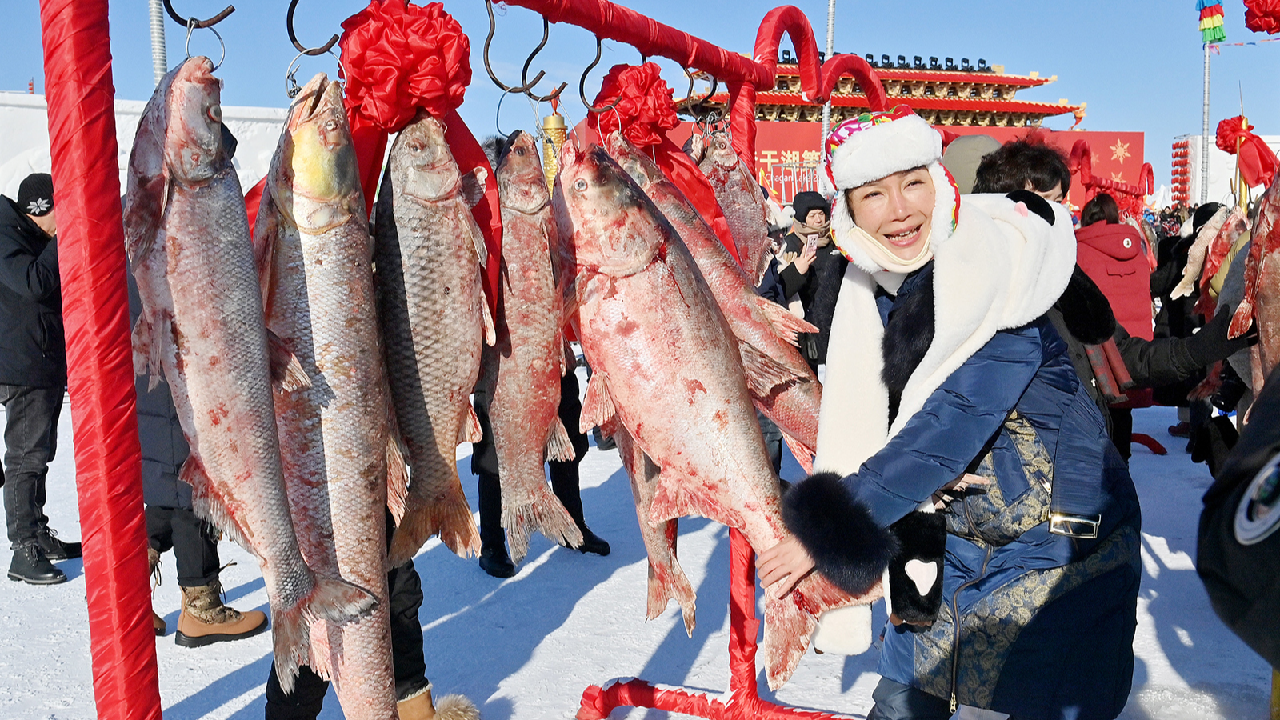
x,y
846,544
922,538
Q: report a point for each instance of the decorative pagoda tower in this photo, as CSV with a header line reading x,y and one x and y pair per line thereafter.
x,y
944,94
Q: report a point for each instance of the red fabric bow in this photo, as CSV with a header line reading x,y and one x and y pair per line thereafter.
x,y
397,59
644,113
1258,164
1262,16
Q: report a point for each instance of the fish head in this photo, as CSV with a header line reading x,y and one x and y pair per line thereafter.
x,y
317,159
603,214
421,165
631,159
194,147
721,151
521,183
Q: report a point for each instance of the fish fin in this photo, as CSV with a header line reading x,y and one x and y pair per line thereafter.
x,y
146,350
265,235
397,475
472,432
568,361
1243,318
597,406
763,372
787,630
677,498
784,323
490,335
331,599
473,188
803,453
207,502
668,582
144,216
542,512
559,447
286,369
447,515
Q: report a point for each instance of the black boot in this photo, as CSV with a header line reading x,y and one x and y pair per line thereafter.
x,y
592,543
564,482
31,566
495,561
56,549
493,539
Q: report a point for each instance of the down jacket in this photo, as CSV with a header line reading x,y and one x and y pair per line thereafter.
x,y
33,347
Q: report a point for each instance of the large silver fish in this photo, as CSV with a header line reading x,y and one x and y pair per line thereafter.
x,y
202,325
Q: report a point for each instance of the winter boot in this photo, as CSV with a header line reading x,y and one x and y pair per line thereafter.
x,y
30,565
153,560
495,561
451,707
56,549
204,620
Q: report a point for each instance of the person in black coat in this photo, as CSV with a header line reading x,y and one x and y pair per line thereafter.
x,y
814,272
33,375
1083,316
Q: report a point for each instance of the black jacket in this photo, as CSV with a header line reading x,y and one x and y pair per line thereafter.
x,y
818,290
33,347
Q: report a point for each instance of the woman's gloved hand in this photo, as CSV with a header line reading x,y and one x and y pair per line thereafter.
x,y
1211,344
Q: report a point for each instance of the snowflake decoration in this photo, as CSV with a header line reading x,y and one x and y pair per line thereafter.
x,y
39,206
1117,177
1120,151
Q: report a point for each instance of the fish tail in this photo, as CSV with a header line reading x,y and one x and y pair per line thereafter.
x,y
787,629
803,453
446,514
331,599
543,513
667,582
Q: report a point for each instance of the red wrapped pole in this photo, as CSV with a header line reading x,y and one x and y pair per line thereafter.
x,y
95,310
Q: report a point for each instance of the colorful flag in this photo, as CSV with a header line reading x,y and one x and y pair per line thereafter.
x,y
1211,21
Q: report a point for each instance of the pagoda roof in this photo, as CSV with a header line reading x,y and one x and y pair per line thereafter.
x,y
774,97
945,76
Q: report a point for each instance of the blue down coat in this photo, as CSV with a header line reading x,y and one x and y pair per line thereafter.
x,y
1034,624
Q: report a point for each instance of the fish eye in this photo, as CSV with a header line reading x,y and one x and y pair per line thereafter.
x,y
415,146
331,125
215,113
580,184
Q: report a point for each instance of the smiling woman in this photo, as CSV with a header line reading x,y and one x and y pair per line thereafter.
x,y
959,455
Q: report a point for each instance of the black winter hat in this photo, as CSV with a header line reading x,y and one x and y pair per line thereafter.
x,y
1203,214
807,201
35,194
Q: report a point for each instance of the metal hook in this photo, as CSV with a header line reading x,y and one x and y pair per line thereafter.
x,y
524,72
487,41
582,83
288,23
689,104
291,87
192,22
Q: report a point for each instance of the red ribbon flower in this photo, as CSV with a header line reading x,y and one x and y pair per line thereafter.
x,y
398,57
1258,164
645,111
1262,16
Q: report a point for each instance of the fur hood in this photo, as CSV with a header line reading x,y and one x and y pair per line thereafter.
x,y
1001,268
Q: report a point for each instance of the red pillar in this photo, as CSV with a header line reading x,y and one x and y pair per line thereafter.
x,y
95,309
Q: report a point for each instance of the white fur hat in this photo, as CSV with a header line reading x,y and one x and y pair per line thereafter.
x,y
875,145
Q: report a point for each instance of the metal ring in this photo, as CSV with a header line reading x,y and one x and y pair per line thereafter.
x,y
291,87
192,25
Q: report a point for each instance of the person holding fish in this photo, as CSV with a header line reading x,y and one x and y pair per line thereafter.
x,y
959,456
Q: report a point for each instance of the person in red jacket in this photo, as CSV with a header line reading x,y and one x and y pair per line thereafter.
x,y
1112,254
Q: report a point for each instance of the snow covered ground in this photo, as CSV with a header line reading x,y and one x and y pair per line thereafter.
x,y
526,647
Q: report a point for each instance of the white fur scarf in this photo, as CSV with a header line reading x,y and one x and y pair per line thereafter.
x,y
1002,268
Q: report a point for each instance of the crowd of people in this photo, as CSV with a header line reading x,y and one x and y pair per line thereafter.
x,y
982,349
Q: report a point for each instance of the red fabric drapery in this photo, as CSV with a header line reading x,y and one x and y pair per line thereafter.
x,y
1257,162
839,65
95,309
1262,16
644,113
398,58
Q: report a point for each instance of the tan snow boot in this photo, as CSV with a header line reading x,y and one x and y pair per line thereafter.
x,y
451,707
153,559
205,620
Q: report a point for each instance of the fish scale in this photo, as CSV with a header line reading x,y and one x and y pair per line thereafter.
x,y
202,325
428,253
335,436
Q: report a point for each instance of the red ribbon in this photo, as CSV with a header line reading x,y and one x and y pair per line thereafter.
x,y
1262,16
397,59
1257,162
644,113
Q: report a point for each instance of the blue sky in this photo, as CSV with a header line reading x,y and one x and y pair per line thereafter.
x,y
1137,63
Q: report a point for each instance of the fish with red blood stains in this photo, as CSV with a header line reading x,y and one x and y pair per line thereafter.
x,y
521,372
676,384
1261,303
340,460
203,326
429,256
782,384
742,201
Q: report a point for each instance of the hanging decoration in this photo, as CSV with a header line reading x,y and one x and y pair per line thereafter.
x,y
1211,21
1256,161
644,112
1262,16
399,58
1128,196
